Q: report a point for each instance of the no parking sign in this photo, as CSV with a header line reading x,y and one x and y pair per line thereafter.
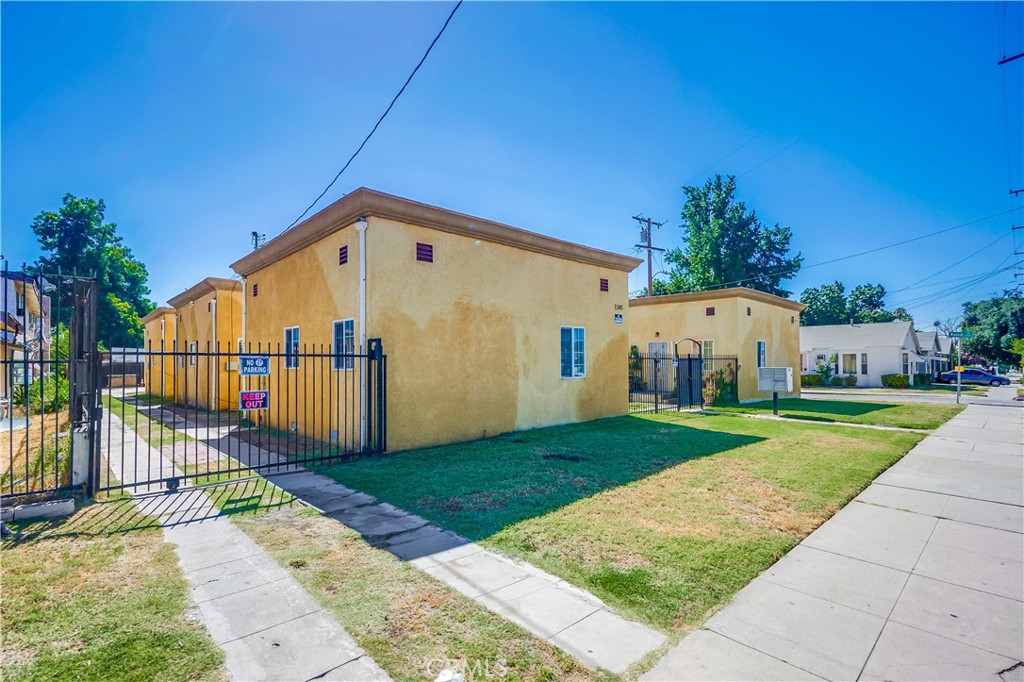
x,y
254,365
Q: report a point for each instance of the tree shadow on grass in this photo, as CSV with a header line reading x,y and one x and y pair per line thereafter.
x,y
819,410
480,487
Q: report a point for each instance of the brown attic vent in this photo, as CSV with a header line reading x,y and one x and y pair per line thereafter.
x,y
424,253
604,284
710,311
342,255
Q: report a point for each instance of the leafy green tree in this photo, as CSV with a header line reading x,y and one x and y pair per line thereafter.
x,y
1017,348
825,304
75,238
829,304
995,323
724,244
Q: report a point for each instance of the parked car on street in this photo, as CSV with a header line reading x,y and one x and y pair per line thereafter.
x,y
975,376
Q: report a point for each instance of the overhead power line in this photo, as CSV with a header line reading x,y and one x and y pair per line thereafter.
x,y
868,252
950,267
379,120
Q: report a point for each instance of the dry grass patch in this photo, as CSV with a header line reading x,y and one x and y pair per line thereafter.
x,y
84,599
410,623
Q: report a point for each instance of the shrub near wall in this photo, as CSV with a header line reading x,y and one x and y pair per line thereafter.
x,y
810,380
923,379
895,381
850,379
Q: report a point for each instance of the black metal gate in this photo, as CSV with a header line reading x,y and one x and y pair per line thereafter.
x,y
75,419
48,382
207,415
661,382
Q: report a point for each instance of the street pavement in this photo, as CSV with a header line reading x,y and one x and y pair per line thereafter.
x,y
1001,396
919,578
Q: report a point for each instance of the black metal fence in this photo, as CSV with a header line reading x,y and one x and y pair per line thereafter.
x,y
214,413
48,381
658,383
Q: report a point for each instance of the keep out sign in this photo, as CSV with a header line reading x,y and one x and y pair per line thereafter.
x,y
254,400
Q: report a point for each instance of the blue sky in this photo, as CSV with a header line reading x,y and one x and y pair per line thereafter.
x,y
198,123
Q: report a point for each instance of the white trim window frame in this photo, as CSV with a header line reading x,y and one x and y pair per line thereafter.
x,y
343,345
762,353
905,364
573,352
707,348
192,352
291,347
864,364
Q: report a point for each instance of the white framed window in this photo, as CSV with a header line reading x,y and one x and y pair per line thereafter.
x,y
762,354
863,363
573,352
707,348
291,347
849,363
344,343
191,353
906,364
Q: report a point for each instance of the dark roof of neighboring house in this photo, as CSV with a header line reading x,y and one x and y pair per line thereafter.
x,y
206,286
855,335
367,203
713,294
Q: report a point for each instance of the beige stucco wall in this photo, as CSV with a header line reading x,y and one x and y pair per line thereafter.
x,y
208,382
472,339
733,331
159,338
308,289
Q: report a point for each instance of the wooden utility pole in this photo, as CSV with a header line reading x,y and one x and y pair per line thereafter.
x,y
646,227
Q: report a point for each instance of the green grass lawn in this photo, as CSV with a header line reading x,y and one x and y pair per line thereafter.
x,y
664,517
86,600
904,415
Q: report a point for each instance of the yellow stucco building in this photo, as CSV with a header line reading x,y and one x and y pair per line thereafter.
x,y
487,328
758,328
160,325
207,318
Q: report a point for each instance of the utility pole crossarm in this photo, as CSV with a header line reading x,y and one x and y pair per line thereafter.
x,y
646,227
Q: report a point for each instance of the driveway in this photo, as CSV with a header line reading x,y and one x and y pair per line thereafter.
x,y
920,577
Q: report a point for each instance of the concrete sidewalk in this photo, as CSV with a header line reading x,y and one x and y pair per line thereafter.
x,y
919,578
570,618
266,623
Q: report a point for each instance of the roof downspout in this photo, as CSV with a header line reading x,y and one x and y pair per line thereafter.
x,y
361,226
213,368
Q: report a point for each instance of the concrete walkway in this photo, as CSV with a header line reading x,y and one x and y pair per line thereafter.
x,y
570,618
266,623
919,578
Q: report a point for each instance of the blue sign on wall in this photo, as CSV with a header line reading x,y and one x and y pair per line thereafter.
x,y
254,365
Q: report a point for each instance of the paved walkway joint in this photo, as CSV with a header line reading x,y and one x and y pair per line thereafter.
x,y
570,618
266,623
921,577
